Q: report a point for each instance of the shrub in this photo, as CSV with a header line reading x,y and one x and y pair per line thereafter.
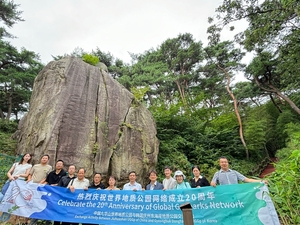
x,y
285,181
90,59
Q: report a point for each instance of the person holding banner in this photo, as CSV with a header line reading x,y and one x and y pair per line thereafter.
x,y
38,174
228,176
169,182
65,180
180,183
80,182
97,184
198,180
19,170
154,184
54,176
112,183
132,184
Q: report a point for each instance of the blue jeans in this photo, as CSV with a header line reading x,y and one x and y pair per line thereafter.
x,y
1,196
4,217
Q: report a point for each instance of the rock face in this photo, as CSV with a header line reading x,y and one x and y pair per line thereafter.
x,y
79,114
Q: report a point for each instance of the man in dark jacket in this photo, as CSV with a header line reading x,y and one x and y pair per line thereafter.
x,y
54,176
64,181
97,184
154,184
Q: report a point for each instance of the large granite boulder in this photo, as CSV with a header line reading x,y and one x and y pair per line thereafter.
x,y
79,114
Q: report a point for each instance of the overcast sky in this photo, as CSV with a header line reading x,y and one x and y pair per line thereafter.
x,y
56,27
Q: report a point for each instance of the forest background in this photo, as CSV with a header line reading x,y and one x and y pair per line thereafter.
x,y
200,112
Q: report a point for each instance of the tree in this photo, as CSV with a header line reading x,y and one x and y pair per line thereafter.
x,y
182,55
273,33
170,70
255,132
227,59
17,73
248,94
9,15
17,69
106,58
265,72
149,71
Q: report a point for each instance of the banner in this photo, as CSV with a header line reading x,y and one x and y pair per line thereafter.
x,y
243,204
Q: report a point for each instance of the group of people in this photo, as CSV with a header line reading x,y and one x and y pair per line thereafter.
x,y
42,173
223,177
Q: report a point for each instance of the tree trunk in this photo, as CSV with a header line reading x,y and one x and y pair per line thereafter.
x,y
9,106
273,89
2,116
236,110
181,92
276,105
9,94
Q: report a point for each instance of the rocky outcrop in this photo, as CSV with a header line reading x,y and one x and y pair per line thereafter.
x,y
79,114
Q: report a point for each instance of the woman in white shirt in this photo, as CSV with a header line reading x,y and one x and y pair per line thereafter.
x,y
21,169
112,184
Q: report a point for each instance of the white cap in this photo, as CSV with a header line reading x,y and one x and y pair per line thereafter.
x,y
179,173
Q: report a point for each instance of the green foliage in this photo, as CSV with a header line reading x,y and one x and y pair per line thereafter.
x,y
90,59
176,160
285,181
127,125
255,132
8,126
7,144
106,58
95,148
5,164
273,34
18,71
139,93
170,70
9,15
292,131
283,119
243,166
248,94
200,142
7,147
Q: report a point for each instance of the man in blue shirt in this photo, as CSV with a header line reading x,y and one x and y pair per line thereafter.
x,y
132,184
228,176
